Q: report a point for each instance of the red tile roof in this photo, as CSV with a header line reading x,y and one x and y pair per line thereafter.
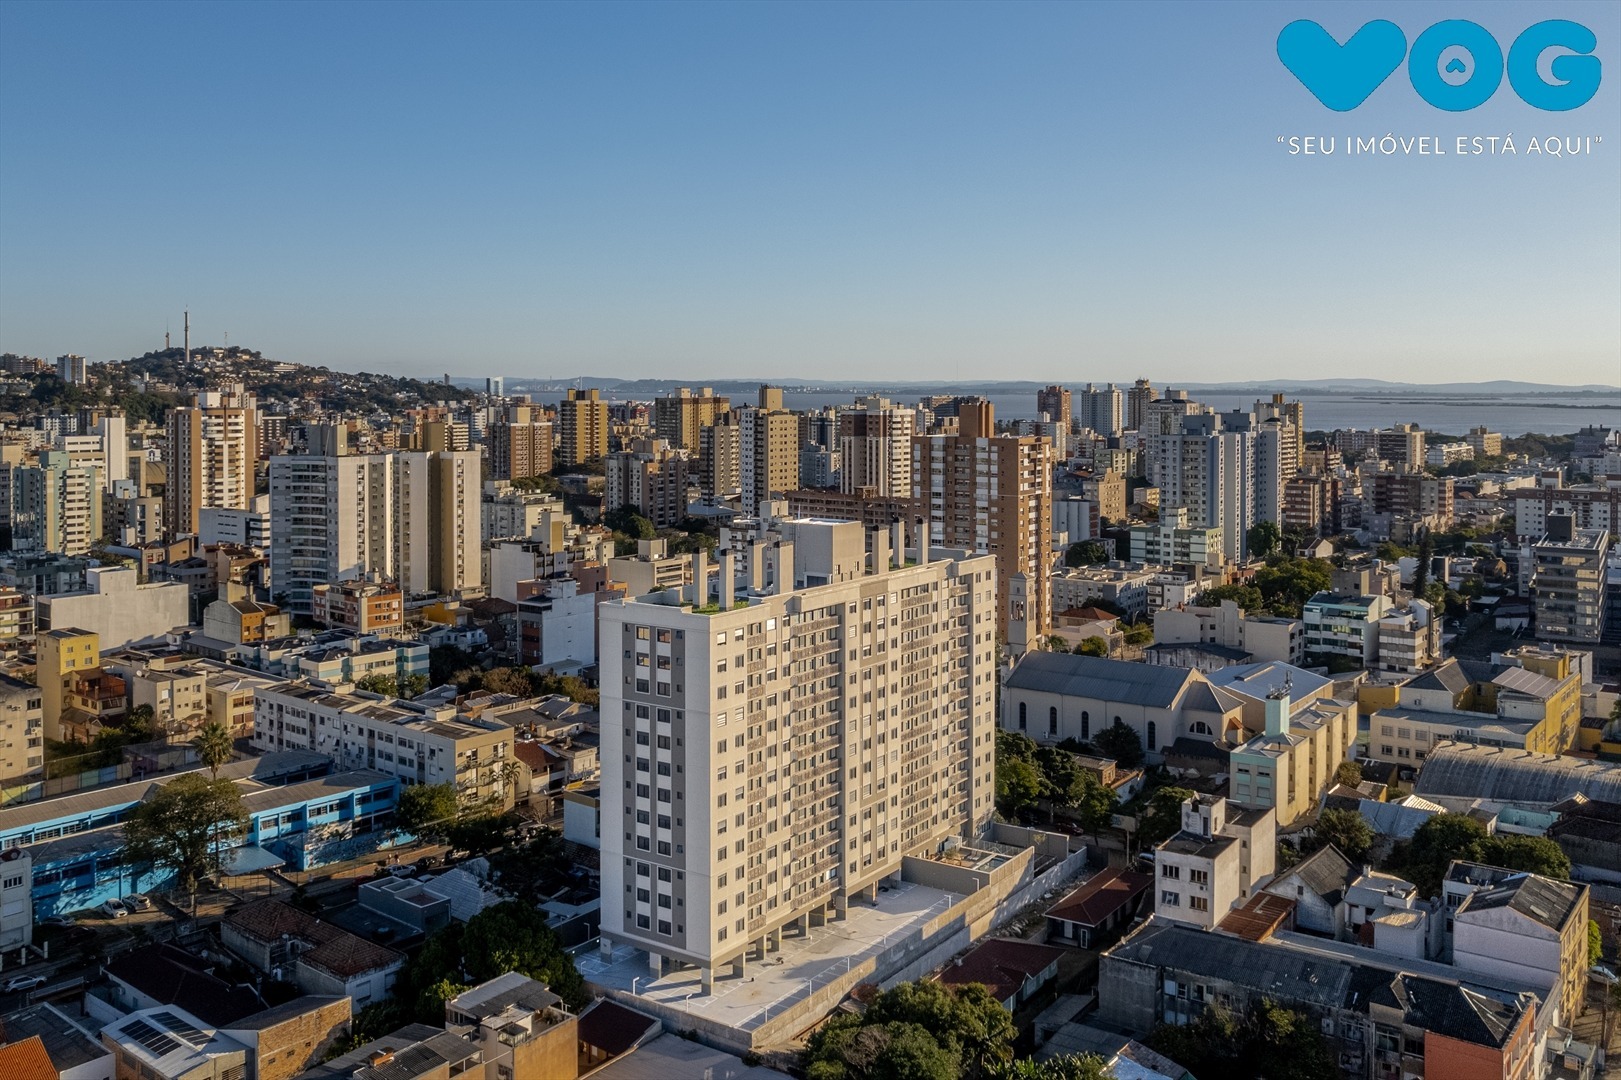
x,y
26,1060
1002,964
1101,896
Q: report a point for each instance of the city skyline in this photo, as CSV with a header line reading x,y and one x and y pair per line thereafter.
x,y
752,192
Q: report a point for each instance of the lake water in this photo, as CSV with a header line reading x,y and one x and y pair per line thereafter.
x,y
1550,414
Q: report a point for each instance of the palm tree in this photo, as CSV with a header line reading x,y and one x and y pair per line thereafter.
x,y
214,746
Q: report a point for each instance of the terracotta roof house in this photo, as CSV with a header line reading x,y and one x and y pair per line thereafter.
x,y
321,958
1011,970
1098,908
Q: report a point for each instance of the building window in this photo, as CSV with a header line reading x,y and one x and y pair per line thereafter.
x,y
1021,716
1153,736
1086,725
1170,899
1198,903
1052,720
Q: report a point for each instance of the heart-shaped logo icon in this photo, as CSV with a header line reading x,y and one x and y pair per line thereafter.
x,y
1341,76
1456,66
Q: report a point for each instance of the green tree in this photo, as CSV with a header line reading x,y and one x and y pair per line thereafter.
x,y
1161,816
1533,854
1063,1067
1121,743
1421,575
513,936
626,520
1018,786
427,810
1086,553
139,724
1346,830
451,664
1434,845
1093,646
182,826
915,1030
1247,597
1287,584
1096,806
378,684
1595,943
215,747
1263,538
517,681
411,686
1139,634
1348,773
1269,1041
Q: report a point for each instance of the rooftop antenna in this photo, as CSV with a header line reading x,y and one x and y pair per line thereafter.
x,y
188,338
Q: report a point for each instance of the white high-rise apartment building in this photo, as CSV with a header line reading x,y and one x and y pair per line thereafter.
x,y
410,517
331,519
1210,471
1103,411
763,764
875,442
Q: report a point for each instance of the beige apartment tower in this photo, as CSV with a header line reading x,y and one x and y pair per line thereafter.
x,y
992,494
582,428
679,417
763,764
212,446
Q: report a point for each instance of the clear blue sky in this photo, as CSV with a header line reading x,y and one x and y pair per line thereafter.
x,y
833,190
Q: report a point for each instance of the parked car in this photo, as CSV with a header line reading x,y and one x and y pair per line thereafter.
x,y
58,920
427,862
113,909
402,870
23,982
137,902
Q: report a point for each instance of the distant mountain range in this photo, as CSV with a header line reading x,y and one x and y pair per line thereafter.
x,y
647,388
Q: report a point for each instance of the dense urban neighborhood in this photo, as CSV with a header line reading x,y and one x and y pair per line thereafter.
x,y
360,726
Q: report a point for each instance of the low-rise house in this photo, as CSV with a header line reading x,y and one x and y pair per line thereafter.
x,y
521,1027
321,959
152,976
413,1052
1318,884
1011,970
171,1044
1099,908
1589,833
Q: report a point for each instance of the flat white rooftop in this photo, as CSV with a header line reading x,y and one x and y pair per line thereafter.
x,y
784,977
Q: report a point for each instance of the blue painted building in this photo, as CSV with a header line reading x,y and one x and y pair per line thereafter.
x,y
298,811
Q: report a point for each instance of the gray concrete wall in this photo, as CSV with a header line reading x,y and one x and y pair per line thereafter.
x,y
1054,845
1127,993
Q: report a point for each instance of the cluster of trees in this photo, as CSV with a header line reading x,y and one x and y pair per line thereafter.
x,y
510,936
408,687
1268,1041
1423,860
435,812
1281,587
1086,553
1027,774
464,669
105,750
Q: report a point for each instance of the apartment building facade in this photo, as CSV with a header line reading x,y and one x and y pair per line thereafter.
x,y
992,494
366,731
762,764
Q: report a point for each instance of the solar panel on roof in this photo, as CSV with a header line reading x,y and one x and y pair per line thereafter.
x,y
181,1028
157,1042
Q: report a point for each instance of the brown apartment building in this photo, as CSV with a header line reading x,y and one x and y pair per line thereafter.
x,y
993,494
